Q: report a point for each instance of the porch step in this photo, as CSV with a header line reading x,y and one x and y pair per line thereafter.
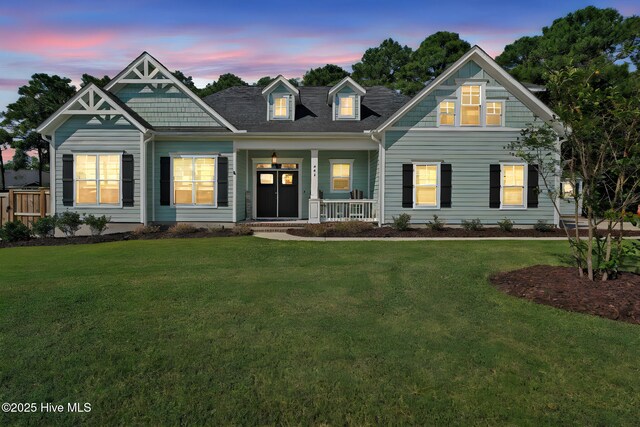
x,y
273,227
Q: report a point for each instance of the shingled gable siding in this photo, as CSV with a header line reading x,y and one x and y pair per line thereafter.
x,y
374,180
200,214
425,113
89,134
165,106
470,153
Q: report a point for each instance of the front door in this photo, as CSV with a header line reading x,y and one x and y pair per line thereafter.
x,y
277,194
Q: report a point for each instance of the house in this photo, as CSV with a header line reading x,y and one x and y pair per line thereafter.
x,y
22,178
145,149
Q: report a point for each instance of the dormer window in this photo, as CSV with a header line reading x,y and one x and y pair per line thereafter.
x,y
282,98
281,107
346,97
346,106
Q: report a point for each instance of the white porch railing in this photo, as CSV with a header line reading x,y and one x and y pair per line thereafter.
x,y
348,210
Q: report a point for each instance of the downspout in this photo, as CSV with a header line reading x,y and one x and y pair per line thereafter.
x,y
381,159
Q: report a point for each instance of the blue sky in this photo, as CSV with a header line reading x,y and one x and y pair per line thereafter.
x,y
250,39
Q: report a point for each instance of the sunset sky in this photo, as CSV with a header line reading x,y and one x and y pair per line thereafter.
x,y
250,39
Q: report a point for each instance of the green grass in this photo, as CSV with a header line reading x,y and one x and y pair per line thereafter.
x,y
250,331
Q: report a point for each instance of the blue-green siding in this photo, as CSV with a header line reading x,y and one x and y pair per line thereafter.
x,y
196,214
360,173
82,134
165,106
470,153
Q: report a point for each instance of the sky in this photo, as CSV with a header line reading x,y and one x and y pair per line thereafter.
x,y
249,38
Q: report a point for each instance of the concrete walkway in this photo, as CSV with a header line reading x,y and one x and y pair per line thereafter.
x,y
285,236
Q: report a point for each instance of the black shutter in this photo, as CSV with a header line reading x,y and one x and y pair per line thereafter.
x,y
494,186
445,185
165,181
407,185
532,187
127,180
67,179
223,181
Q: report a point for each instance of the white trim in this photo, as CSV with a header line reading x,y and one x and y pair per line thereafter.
x,y
502,112
153,179
234,180
347,81
280,79
340,97
97,180
438,186
147,58
382,162
53,185
525,185
142,181
480,104
340,161
456,129
172,202
297,144
510,84
455,110
314,175
55,120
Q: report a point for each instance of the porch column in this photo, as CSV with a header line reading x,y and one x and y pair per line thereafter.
x,y
314,202
381,181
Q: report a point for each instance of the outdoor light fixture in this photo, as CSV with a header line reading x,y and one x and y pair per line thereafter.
x,y
274,158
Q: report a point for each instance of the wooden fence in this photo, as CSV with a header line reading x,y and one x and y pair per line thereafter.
x,y
24,205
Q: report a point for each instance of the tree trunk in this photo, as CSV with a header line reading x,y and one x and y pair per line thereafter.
x,y
39,167
607,255
589,254
576,217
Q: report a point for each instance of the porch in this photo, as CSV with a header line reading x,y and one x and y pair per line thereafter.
x,y
312,185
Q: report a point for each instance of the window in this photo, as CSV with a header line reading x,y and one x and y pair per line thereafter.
x,y
346,106
281,107
341,175
426,180
494,114
513,189
446,114
97,179
470,106
194,181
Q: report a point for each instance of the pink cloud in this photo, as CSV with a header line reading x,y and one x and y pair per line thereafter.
x,y
7,154
53,43
11,84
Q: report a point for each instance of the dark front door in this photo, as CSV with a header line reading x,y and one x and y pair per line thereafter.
x,y
277,194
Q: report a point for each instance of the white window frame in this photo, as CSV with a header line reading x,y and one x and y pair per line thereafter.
x,y
438,185
525,180
193,181
340,161
287,99
486,112
481,119
97,180
455,115
339,98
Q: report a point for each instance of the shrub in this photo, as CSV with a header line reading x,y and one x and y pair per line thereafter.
x,y
242,230
146,229
179,229
436,225
353,227
542,226
401,222
45,226
472,225
69,222
97,224
317,230
13,231
506,224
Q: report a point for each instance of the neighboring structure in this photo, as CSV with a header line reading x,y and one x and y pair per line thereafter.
x,y
146,149
24,178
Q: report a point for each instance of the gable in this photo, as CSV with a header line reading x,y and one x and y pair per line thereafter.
x,y
424,114
148,88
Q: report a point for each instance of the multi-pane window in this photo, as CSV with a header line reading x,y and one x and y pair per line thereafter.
x,y
426,184
494,114
341,175
470,105
513,187
281,107
194,180
97,179
447,113
346,106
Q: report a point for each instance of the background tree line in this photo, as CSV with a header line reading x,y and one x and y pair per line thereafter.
x,y
590,37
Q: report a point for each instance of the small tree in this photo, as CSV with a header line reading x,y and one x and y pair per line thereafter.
x,y
601,146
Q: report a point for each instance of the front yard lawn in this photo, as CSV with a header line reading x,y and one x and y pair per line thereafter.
x,y
251,331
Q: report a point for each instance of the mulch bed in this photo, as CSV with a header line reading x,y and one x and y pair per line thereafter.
x,y
447,232
561,287
117,237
